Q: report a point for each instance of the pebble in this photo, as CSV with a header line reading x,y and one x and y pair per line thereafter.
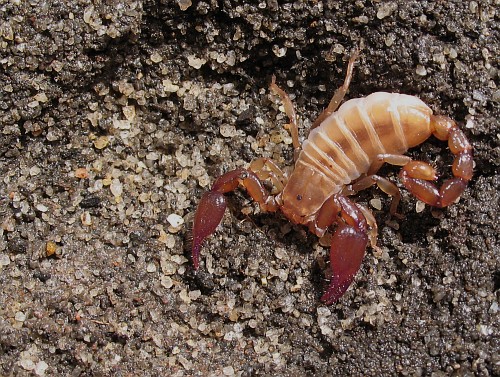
x,y
184,4
227,130
27,364
175,220
101,142
86,219
4,260
376,203
166,281
81,173
420,70
386,9
419,206
34,171
41,207
40,368
50,248
195,62
20,317
155,57
129,112
169,87
151,267
116,187
228,371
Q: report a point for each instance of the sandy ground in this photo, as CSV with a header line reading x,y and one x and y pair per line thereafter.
x,y
116,117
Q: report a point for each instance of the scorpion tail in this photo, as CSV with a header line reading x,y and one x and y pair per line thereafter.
x,y
346,253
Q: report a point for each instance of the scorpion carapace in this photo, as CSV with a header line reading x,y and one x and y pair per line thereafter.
x,y
344,150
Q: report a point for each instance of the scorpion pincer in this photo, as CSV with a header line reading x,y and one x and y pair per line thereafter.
x,y
345,148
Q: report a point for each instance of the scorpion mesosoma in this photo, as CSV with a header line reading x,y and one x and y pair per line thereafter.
x,y
343,152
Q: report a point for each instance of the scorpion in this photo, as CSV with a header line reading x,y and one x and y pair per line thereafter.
x,y
345,148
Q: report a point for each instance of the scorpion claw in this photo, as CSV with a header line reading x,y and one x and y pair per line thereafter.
x,y
346,253
208,215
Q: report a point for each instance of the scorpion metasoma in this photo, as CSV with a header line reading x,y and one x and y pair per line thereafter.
x,y
344,150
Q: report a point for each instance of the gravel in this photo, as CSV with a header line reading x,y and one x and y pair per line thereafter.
x,y
116,116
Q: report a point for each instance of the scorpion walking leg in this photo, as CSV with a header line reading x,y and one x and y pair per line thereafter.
x,y
416,175
385,185
340,92
265,168
213,204
348,246
372,224
290,112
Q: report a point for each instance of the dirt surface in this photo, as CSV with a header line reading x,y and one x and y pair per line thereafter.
x,y
115,117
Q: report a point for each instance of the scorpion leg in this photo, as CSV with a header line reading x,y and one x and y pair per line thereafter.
x,y
416,175
266,168
213,204
385,185
290,112
339,93
372,224
348,247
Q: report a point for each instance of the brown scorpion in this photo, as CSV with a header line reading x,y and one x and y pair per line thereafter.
x,y
345,148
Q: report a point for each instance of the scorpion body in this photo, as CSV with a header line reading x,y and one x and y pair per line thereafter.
x,y
346,145
344,150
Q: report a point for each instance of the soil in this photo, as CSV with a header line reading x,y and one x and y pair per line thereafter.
x,y
115,118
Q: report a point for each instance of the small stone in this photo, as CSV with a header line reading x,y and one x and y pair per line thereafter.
x,y
389,40
151,267
42,207
195,62
9,224
27,364
41,97
152,156
50,248
156,57
376,203
175,220
101,142
279,51
86,218
40,368
193,295
116,187
81,173
184,4
419,206
420,70
121,124
228,371
144,197
185,362
233,315
4,260
20,317
386,9
34,171
126,88
227,130
169,86
129,112
184,296
166,281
